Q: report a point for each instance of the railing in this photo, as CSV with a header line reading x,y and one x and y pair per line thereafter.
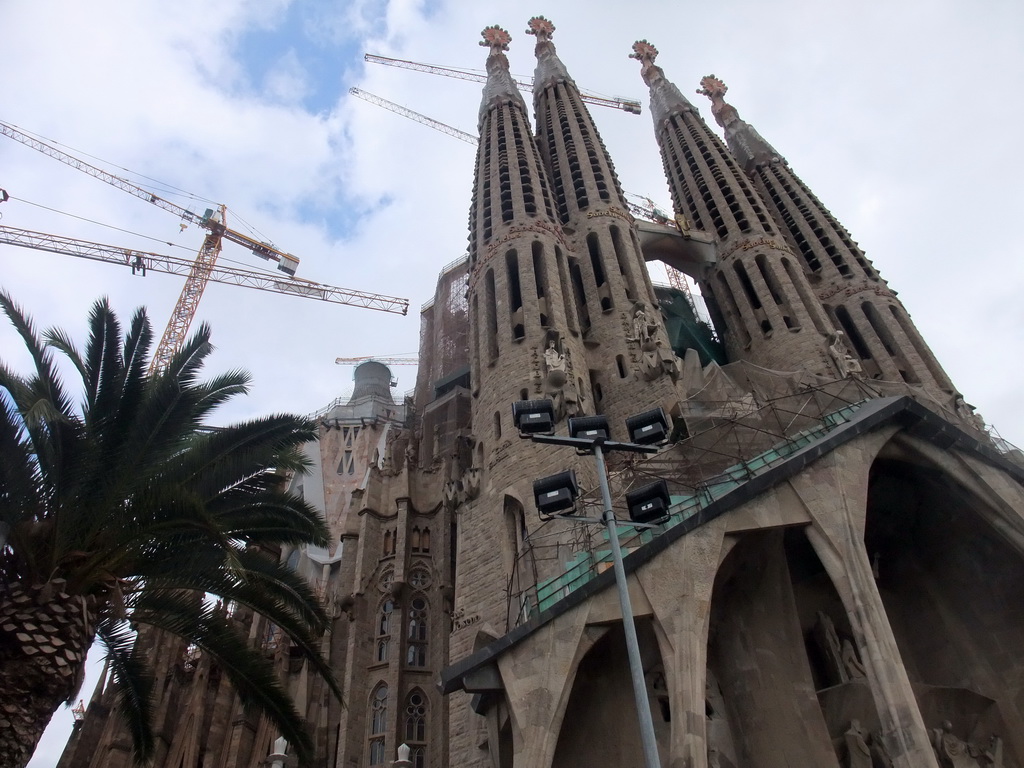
x,y
578,554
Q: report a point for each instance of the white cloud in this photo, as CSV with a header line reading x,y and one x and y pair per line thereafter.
x,y
900,116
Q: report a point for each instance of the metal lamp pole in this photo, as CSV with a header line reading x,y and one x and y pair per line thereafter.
x,y
636,670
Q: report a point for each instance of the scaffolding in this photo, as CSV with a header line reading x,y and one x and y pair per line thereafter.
x,y
727,441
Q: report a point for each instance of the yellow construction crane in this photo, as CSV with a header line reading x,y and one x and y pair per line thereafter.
x,y
401,360
146,261
632,106
398,109
213,220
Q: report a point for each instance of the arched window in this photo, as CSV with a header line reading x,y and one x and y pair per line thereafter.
x,y
388,539
419,539
378,725
384,630
417,635
416,728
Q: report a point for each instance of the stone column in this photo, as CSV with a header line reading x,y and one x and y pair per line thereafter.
x,y
678,584
835,491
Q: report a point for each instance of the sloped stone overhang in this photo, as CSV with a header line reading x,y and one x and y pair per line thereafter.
x,y
904,412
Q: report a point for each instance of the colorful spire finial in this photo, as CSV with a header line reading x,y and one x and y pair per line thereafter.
x,y
644,52
724,112
666,99
495,38
746,143
711,87
541,28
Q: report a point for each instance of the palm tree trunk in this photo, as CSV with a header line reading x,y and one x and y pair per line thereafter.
x,y
45,635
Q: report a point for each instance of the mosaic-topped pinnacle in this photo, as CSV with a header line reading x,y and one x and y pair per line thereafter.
x,y
550,69
541,28
666,99
495,38
500,87
644,52
746,143
711,87
725,114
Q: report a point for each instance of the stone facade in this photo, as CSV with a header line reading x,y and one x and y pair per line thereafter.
x,y
838,582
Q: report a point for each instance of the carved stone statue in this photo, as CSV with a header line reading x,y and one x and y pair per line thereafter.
x,y
828,641
951,750
846,364
993,756
858,755
879,754
851,662
966,412
555,362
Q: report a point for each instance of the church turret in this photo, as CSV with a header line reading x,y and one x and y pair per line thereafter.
x,y
525,340
519,291
759,297
858,301
617,313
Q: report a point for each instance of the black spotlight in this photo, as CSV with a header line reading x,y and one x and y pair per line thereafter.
x,y
590,427
556,493
534,417
649,503
648,428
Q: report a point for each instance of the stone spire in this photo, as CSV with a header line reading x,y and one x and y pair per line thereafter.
x,y
500,87
863,308
759,298
746,143
666,98
550,69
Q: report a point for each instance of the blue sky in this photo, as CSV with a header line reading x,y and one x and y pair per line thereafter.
x,y
899,115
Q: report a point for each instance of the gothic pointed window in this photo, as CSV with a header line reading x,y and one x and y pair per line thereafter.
x,y
378,725
415,730
416,655
384,619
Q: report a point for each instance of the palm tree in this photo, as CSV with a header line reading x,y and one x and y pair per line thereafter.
x,y
126,512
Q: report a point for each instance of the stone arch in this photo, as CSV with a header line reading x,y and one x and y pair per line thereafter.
x,y
766,708
946,575
600,724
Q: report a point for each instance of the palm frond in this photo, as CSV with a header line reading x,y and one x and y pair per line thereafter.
x,y
133,679
251,675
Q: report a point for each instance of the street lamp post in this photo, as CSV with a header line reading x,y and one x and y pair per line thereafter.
x,y
594,440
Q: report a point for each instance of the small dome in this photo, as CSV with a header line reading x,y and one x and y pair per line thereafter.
x,y
372,379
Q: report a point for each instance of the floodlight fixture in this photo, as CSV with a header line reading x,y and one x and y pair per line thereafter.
x,y
534,417
556,493
649,503
589,427
648,428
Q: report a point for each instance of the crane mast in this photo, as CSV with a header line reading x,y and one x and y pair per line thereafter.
x,y
188,300
626,105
